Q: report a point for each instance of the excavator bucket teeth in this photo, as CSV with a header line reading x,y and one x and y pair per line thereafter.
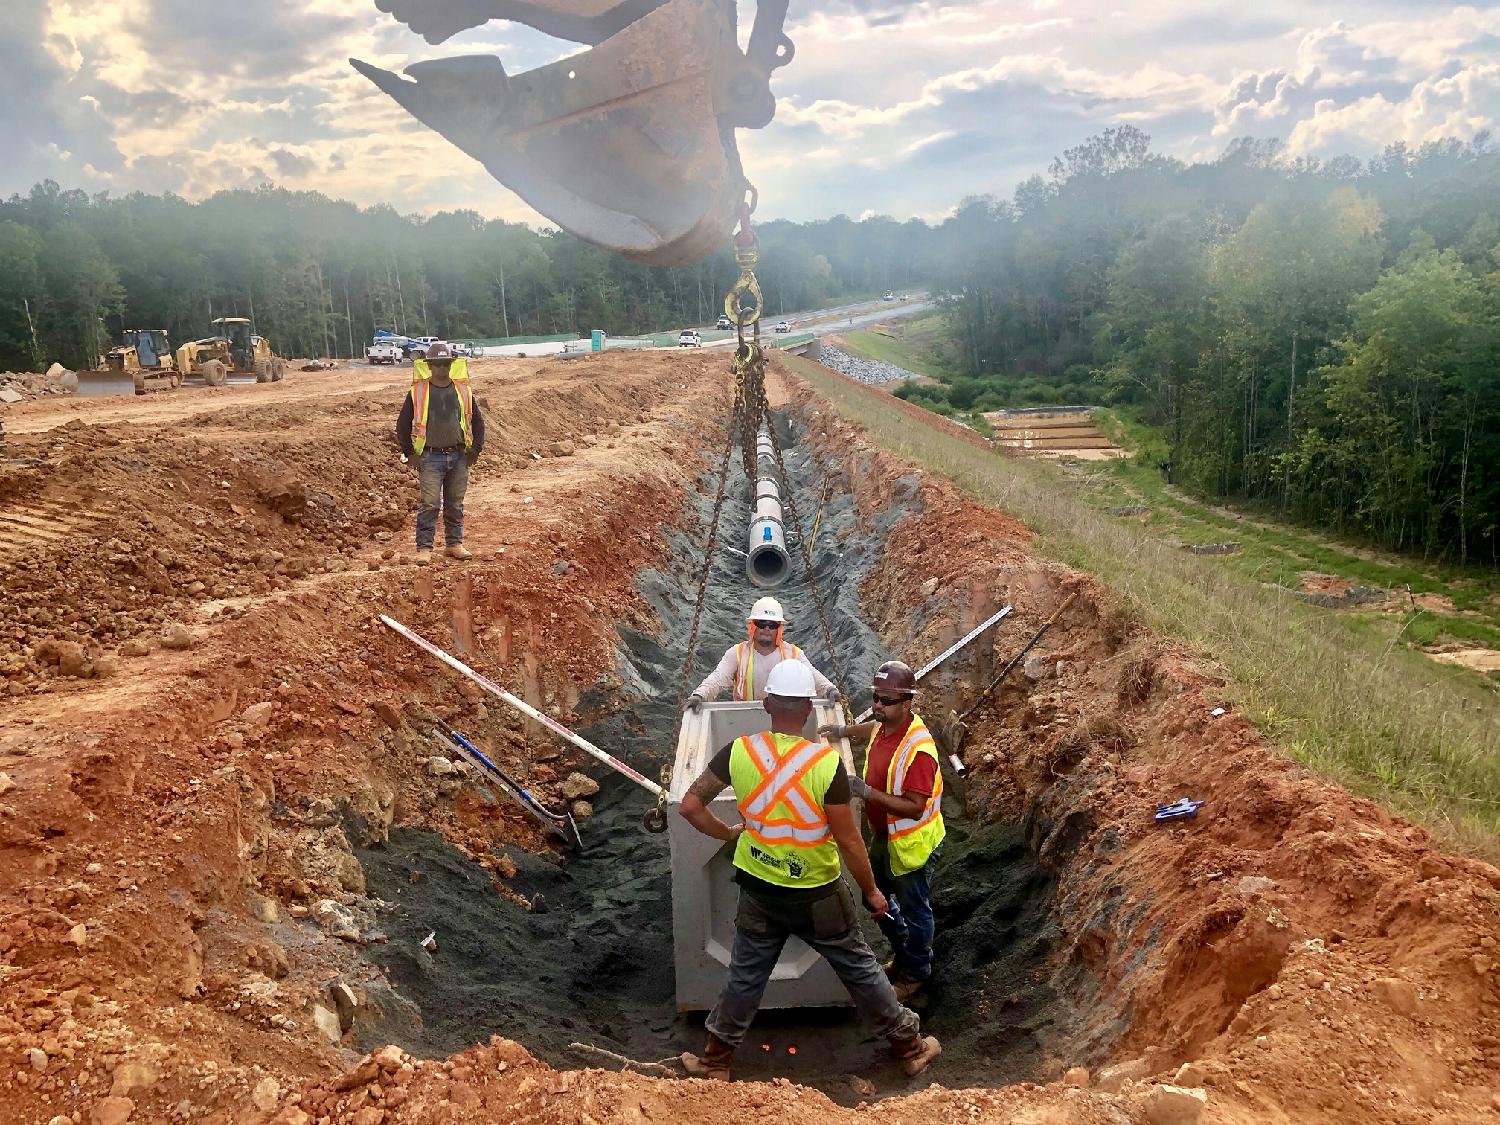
x,y
619,145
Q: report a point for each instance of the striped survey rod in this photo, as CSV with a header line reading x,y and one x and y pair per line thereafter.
x,y
525,708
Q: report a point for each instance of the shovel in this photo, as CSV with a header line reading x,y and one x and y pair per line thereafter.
x,y
560,823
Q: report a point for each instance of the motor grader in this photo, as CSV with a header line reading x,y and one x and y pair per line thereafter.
x,y
146,356
233,349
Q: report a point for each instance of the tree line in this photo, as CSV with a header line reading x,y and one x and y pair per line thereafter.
x,y
1320,337
318,276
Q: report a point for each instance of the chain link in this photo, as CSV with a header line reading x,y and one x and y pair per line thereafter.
x,y
744,305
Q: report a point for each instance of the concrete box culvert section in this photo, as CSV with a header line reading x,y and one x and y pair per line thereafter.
x,y
704,896
592,960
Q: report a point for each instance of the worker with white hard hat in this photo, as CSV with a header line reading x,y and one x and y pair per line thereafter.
x,y
797,825
745,668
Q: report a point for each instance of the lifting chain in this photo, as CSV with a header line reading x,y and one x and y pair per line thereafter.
x,y
744,305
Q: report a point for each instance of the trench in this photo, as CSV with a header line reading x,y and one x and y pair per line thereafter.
x,y
591,961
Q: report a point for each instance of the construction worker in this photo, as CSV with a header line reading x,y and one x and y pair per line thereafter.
x,y
441,432
794,803
746,667
902,788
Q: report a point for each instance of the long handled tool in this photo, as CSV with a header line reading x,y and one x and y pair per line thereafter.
x,y
949,651
530,712
561,823
959,730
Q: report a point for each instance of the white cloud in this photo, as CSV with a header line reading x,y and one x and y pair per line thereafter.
x,y
893,106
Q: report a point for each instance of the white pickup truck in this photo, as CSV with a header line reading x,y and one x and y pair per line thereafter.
x,y
385,349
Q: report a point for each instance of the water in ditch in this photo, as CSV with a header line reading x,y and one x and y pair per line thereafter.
x,y
591,961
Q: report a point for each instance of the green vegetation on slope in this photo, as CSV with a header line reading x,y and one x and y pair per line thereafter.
x,y
1320,337
1377,717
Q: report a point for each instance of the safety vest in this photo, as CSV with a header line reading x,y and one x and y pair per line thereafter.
x,y
421,373
744,674
779,781
912,840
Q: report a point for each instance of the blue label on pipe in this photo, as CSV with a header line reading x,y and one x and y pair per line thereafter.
x,y
767,537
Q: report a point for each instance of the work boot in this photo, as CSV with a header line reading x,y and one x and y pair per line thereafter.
x,y
713,1063
915,1053
905,987
424,556
458,551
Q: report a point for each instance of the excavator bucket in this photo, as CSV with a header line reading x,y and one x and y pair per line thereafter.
x,y
630,144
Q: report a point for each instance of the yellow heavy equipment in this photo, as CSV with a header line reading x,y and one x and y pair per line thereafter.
x,y
146,356
233,349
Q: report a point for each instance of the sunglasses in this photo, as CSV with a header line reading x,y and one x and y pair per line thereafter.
x,y
767,624
890,700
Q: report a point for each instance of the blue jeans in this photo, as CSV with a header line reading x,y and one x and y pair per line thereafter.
x,y
445,479
829,925
908,925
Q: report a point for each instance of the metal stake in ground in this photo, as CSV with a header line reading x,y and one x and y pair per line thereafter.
x,y
525,708
955,647
959,730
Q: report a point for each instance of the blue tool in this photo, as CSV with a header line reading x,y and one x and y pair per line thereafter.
x,y
561,823
1182,808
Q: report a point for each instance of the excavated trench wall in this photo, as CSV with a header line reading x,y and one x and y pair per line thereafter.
x,y
580,951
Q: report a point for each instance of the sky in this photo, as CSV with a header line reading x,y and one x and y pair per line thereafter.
x,y
889,106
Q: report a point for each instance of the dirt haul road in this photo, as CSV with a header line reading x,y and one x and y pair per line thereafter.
x,y
221,824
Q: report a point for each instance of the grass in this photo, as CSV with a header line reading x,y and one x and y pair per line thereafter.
x,y
914,344
1384,721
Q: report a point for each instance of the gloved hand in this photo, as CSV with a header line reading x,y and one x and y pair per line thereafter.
x,y
833,732
694,703
858,787
834,695
471,457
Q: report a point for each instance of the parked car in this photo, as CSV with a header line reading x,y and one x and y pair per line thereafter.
x,y
724,324
889,297
783,326
384,349
417,349
689,338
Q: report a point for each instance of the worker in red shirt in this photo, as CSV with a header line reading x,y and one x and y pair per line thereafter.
x,y
902,788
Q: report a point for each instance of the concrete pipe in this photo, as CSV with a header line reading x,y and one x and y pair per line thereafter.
x,y
767,563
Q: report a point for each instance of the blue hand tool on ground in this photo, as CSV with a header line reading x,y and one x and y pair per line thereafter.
x,y
1176,811
561,823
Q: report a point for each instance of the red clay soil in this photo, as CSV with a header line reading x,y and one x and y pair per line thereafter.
x,y
1305,956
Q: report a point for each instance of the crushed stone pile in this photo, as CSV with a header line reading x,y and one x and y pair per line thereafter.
x,y
871,371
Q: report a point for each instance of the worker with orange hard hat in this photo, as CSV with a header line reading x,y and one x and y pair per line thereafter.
x,y
902,788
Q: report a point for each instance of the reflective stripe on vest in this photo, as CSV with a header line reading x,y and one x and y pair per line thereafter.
x,y
420,396
779,782
744,675
912,840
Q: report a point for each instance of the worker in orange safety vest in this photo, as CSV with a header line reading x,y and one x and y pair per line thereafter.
x,y
745,668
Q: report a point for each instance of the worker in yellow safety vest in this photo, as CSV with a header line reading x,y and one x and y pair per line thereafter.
x,y
745,668
902,788
441,432
796,825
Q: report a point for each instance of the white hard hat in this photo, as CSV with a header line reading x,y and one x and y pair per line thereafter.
x,y
792,679
767,609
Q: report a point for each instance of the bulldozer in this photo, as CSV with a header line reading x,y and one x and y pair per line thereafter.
x,y
146,356
629,145
233,349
